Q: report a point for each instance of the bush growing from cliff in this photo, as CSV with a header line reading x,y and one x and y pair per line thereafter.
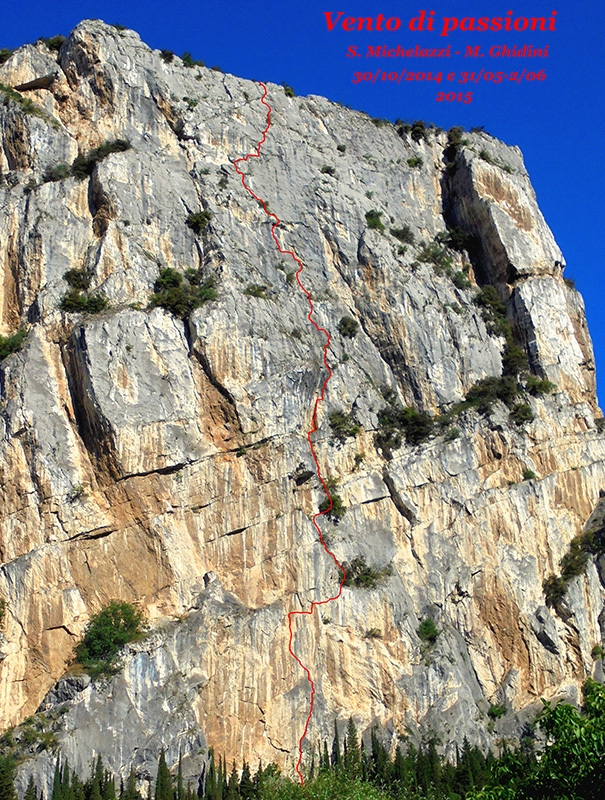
x,y
373,220
108,631
83,165
181,294
198,221
539,386
12,344
348,327
5,54
76,301
404,234
395,422
427,631
335,510
363,576
343,425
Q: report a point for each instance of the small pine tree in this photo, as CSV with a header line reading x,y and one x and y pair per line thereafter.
x,y
180,790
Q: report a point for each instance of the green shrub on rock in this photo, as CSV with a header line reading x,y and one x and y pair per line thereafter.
x,y
108,631
181,294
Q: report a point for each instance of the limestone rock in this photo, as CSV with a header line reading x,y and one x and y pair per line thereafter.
x,y
164,462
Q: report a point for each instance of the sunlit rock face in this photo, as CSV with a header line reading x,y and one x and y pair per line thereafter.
x,y
165,462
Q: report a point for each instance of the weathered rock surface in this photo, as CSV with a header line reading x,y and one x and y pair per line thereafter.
x,y
140,453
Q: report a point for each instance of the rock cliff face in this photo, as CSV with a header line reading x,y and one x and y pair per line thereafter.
x,y
165,462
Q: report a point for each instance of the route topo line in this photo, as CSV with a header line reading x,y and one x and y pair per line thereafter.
x,y
318,400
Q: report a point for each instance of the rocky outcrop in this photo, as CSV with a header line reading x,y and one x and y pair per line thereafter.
x,y
140,453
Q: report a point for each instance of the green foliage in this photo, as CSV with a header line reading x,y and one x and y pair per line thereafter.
x,y
538,386
483,394
77,279
514,360
363,576
12,344
455,142
460,280
493,312
570,283
598,652
198,221
76,301
459,239
404,234
496,710
554,588
328,170
256,290
7,778
54,43
83,165
373,633
59,172
108,631
415,162
348,327
427,631
394,422
343,425
529,475
188,61
574,561
521,414
26,105
485,156
163,783
373,220
181,294
5,54
342,148
436,253
452,434
418,131
288,90
333,507
167,56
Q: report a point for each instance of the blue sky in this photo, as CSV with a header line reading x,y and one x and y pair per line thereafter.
x,y
558,123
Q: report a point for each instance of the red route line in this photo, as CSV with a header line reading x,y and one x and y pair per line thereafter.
x,y
318,400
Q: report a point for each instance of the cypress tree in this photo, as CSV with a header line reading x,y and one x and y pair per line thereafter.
x,y
352,759
336,757
324,762
380,762
130,792
7,778
180,791
233,785
163,783
30,792
247,789
77,787
57,792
